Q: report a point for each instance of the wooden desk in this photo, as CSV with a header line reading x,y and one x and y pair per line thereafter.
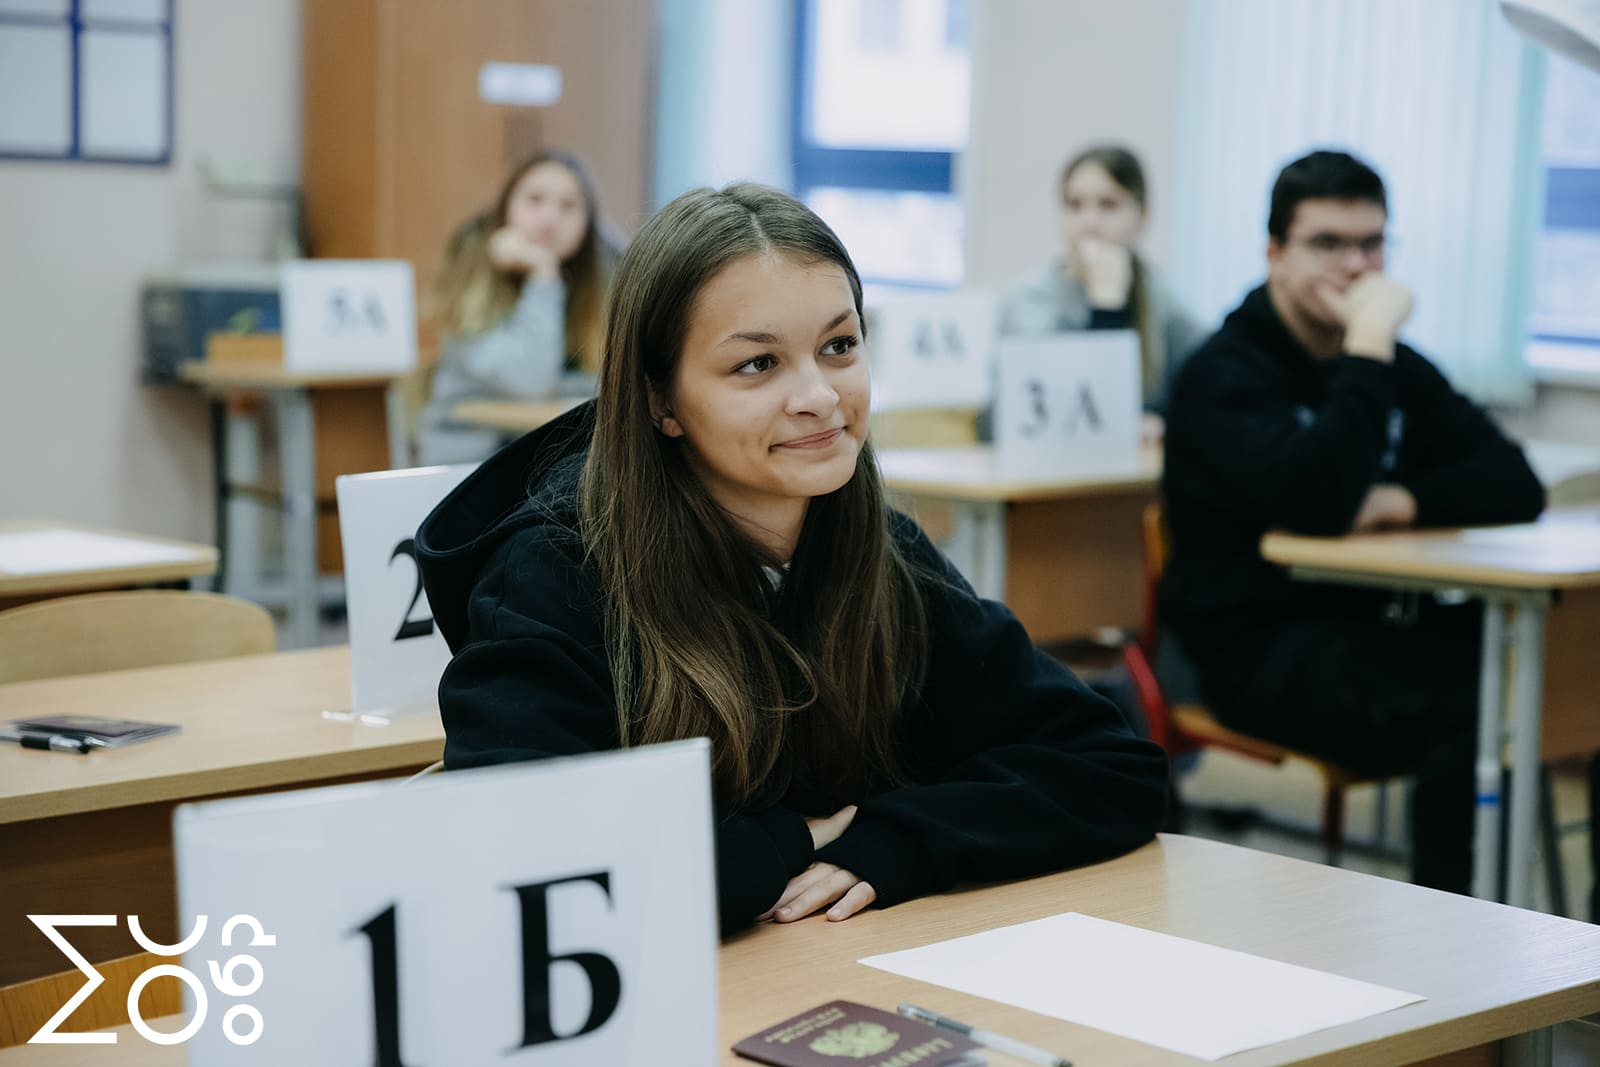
x,y
189,560
305,405
1489,972
93,834
1517,571
513,416
1063,553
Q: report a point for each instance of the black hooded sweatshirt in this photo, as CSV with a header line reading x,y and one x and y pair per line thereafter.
x,y
1262,436
1017,768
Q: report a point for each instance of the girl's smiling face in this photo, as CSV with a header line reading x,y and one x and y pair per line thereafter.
x,y
771,391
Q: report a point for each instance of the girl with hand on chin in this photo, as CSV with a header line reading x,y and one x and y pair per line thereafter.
x,y
706,551
522,299
1100,282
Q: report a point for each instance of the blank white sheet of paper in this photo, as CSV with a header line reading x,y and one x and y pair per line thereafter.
x,y
1182,995
52,551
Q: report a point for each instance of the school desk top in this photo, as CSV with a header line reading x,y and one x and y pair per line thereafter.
x,y
270,374
1488,971
1559,551
254,722
513,416
169,560
976,473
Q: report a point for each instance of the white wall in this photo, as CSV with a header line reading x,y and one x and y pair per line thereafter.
x,y
81,438
1559,413
1048,78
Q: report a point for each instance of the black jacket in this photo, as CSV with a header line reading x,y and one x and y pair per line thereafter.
x,y
1019,769
1260,436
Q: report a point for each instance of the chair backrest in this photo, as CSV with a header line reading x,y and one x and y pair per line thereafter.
x,y
118,631
27,1006
1157,542
1140,656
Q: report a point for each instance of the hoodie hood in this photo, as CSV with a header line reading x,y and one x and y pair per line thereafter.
x,y
531,482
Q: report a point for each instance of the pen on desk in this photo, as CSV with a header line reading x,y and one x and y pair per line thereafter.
x,y
55,742
1010,1046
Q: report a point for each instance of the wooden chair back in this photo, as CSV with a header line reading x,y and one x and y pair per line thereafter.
x,y
26,1006
121,630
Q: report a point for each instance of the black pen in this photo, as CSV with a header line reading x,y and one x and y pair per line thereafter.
x,y
1009,1045
54,742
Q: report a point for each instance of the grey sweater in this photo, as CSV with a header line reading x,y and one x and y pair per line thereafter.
x,y
523,357
1047,301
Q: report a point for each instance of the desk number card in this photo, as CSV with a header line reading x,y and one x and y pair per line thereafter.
x,y
396,652
932,350
1069,403
551,914
349,316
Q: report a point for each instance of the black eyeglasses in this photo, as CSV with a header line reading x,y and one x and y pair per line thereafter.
x,y
1331,244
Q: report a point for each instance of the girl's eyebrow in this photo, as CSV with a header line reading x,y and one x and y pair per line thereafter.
x,y
760,338
836,320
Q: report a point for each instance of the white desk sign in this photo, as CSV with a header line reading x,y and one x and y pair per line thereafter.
x,y
1069,403
932,350
396,652
349,316
545,914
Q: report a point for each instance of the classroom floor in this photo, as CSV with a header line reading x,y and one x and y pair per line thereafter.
x,y
1278,809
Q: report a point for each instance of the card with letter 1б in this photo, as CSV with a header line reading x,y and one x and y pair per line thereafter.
x,y
843,1032
94,730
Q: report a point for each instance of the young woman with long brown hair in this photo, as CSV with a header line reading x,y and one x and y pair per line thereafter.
x,y
521,298
706,551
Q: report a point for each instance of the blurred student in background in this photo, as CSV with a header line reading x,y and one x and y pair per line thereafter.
x,y
1305,412
521,298
1100,282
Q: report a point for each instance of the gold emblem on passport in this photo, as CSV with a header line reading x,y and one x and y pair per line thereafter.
x,y
855,1040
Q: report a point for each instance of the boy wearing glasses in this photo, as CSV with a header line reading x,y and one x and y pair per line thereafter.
x,y
1305,412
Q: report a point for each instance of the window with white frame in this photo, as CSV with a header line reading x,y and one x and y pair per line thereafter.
x,y
881,107
1566,309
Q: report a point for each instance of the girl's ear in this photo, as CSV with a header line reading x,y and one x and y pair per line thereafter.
x,y
661,414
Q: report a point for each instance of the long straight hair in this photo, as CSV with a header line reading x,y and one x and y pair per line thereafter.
x,y
474,295
802,684
1124,168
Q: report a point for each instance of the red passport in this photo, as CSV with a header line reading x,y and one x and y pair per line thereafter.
x,y
844,1032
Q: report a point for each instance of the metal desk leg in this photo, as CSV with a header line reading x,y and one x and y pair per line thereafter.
x,y
989,549
1491,727
1527,698
296,451
242,458
1536,1048
394,417
219,473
